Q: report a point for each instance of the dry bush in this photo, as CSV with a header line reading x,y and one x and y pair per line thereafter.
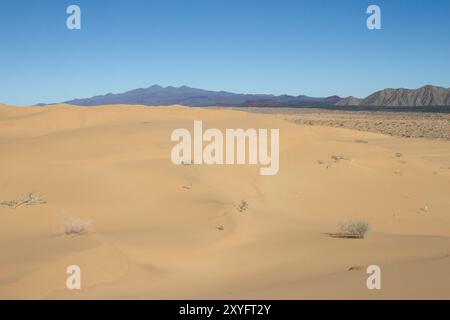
x,y
28,199
76,226
354,228
243,206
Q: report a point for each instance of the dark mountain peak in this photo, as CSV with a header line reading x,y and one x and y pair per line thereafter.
x,y
333,97
155,87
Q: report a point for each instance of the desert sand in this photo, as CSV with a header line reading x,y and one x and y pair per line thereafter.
x,y
154,226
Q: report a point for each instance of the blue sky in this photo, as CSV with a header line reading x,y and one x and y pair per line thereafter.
x,y
312,47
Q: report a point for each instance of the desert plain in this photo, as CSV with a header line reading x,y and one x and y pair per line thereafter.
x,y
154,230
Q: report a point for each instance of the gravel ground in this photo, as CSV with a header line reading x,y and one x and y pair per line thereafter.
x,y
402,124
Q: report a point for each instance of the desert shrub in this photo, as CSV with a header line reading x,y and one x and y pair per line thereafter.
x,y
357,228
28,199
76,226
243,206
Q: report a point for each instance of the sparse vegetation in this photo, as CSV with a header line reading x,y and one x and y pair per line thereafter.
x,y
326,163
28,199
424,209
355,229
337,158
334,159
76,226
243,206
431,125
355,268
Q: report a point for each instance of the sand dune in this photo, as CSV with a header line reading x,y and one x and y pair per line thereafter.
x,y
154,225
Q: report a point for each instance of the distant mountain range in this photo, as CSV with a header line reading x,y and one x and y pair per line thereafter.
x,y
426,96
422,97
157,95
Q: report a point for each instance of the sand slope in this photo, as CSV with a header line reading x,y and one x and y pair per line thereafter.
x,y
154,224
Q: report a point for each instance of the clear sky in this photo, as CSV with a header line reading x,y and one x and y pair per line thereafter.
x,y
312,47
